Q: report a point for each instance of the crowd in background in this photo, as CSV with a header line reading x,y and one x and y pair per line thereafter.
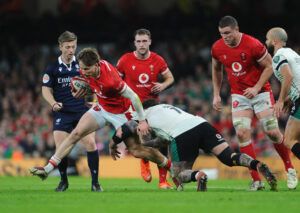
x,y
25,119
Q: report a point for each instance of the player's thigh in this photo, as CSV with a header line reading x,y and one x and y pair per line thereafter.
x,y
263,104
240,104
88,123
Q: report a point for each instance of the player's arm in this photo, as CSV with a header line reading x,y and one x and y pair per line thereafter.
x,y
285,88
137,104
168,81
267,72
217,77
47,93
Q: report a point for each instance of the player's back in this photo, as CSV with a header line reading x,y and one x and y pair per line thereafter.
x,y
171,120
241,62
57,76
287,55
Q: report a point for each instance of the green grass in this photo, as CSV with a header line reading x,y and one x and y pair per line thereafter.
x,y
29,194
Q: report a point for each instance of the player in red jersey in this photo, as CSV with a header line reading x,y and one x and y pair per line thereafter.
x,y
114,107
248,66
141,69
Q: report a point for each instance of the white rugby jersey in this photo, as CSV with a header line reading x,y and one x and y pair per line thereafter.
x,y
290,57
169,121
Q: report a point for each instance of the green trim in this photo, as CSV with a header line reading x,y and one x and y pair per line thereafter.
x,y
174,152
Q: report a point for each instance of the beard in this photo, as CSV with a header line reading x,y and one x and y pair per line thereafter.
x,y
270,48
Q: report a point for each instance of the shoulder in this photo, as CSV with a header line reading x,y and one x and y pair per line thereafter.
x,y
248,39
52,68
217,44
280,55
156,57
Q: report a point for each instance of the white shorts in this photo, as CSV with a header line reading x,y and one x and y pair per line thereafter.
x,y
102,116
261,102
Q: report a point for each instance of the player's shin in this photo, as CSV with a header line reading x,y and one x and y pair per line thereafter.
x,y
296,150
52,163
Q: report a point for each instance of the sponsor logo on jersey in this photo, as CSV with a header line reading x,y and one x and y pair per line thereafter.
x,y
46,78
236,66
143,78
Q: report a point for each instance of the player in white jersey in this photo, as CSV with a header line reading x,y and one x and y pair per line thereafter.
x,y
286,66
186,134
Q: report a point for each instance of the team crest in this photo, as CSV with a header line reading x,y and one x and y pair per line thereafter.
x,y
243,56
276,59
225,57
151,68
60,69
133,67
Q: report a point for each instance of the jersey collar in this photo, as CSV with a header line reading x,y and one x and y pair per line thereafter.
x,y
60,61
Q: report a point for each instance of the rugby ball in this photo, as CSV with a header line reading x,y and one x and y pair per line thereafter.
x,y
78,83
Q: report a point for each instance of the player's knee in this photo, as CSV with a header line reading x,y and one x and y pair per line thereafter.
x,y
242,127
76,135
225,157
270,126
136,151
274,135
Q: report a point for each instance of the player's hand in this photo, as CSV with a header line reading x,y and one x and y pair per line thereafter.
x,y
113,150
143,127
79,93
157,88
287,105
278,108
217,104
57,106
250,92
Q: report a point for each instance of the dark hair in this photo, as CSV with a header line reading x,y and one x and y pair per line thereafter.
x,y
228,21
66,36
142,31
89,56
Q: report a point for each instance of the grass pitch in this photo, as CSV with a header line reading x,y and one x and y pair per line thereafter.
x,y
29,194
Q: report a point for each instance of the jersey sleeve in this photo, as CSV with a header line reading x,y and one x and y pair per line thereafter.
x,y
120,67
213,51
118,84
162,64
259,50
48,78
279,60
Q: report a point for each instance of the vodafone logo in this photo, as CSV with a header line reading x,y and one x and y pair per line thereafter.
x,y
143,78
236,66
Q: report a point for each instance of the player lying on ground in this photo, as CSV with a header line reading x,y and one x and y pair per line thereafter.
x,y
186,134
